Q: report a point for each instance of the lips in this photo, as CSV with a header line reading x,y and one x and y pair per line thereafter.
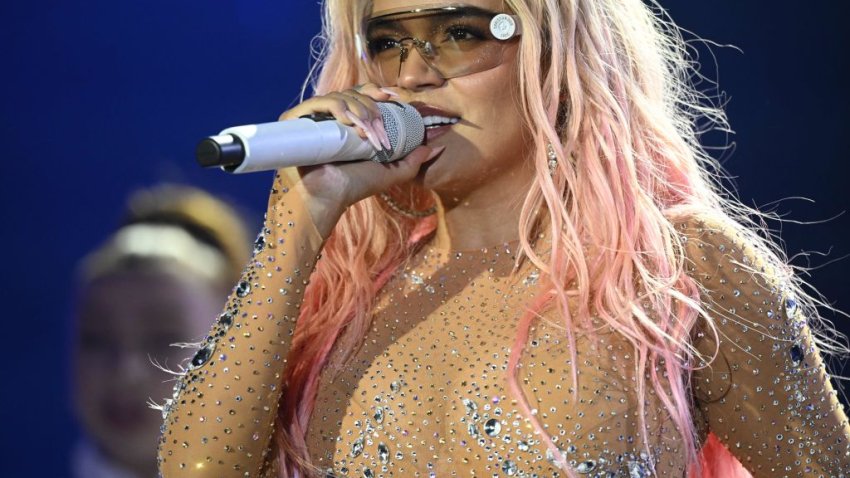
x,y
124,416
438,121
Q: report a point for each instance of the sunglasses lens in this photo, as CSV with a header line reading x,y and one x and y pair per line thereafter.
x,y
454,43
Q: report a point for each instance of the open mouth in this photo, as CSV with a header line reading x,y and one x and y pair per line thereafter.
x,y
433,121
437,120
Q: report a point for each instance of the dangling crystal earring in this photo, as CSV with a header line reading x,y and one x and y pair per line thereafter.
x,y
395,206
553,159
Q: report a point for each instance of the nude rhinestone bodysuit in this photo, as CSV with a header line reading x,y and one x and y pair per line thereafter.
x,y
426,394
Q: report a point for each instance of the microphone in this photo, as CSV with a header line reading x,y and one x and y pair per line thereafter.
x,y
308,141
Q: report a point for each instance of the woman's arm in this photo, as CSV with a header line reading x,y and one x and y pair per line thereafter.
x,y
220,421
767,395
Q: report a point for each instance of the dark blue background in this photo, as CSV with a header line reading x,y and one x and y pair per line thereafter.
x,y
102,97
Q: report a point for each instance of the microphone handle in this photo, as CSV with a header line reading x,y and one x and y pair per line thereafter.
x,y
281,144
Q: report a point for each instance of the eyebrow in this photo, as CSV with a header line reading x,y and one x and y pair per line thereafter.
x,y
394,24
423,12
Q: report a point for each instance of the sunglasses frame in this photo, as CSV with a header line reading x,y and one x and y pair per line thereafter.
x,y
503,26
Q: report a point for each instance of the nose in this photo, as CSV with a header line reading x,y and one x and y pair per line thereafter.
x,y
416,74
134,365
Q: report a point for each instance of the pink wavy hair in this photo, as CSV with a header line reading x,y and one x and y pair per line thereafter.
x,y
614,92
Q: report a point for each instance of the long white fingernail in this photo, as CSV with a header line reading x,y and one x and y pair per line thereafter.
x,y
389,92
374,139
370,134
355,119
378,124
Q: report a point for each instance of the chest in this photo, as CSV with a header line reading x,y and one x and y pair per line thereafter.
x,y
427,393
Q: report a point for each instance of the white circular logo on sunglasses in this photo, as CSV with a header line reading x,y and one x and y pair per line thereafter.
x,y
503,26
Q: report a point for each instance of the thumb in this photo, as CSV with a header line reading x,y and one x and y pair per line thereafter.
x,y
408,167
423,154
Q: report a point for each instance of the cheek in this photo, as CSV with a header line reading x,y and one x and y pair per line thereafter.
x,y
202,310
500,138
94,361
89,392
494,97
492,92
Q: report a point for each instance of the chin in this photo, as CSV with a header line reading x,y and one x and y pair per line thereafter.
x,y
135,451
433,178
444,174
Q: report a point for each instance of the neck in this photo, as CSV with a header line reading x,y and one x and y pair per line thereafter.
x,y
484,217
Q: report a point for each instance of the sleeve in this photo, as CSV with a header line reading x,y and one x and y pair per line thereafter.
x,y
220,420
767,395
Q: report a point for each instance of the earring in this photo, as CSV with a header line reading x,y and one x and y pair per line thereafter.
x,y
553,158
395,206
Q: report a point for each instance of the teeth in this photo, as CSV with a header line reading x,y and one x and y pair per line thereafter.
x,y
439,120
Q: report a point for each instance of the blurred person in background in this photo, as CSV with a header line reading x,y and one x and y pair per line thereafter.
x,y
156,281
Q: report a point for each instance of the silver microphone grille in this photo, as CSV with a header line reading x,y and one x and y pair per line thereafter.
x,y
405,128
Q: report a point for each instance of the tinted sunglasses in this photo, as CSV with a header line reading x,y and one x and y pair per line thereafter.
x,y
454,40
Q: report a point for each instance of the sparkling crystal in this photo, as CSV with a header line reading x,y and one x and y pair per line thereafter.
x,y
166,408
367,473
394,386
379,414
523,446
796,354
509,468
638,470
383,453
178,387
243,289
202,356
790,307
226,320
357,448
586,466
259,244
492,427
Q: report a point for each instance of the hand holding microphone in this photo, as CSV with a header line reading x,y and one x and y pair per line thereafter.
x,y
339,143
316,139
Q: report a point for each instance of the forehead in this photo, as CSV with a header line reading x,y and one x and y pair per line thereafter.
x,y
136,294
379,6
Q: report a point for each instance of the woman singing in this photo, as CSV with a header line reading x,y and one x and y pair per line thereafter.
x,y
555,284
